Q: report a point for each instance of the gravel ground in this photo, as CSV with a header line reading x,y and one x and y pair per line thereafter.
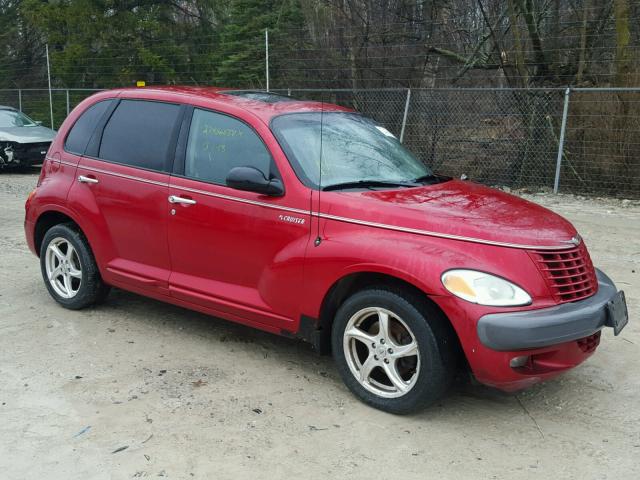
x,y
136,388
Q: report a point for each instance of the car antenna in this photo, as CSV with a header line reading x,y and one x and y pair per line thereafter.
x,y
318,240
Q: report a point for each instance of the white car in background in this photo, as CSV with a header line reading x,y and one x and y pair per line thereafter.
x,y
23,141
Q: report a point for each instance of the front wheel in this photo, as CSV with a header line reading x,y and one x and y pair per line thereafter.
x,y
393,351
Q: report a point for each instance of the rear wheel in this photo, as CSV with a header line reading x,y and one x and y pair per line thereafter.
x,y
392,350
69,269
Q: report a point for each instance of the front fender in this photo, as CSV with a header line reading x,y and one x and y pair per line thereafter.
x,y
399,273
348,249
416,259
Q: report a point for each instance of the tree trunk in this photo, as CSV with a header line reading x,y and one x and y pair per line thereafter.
x,y
515,28
583,42
623,73
542,67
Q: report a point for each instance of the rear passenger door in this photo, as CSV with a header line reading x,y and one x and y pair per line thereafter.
x,y
122,187
239,253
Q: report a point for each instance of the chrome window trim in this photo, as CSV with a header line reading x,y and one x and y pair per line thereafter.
x,y
123,175
562,246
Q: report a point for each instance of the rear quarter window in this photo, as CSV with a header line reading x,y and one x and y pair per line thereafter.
x,y
139,133
80,134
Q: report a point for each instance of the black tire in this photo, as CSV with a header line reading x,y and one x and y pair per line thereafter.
x,y
436,341
91,289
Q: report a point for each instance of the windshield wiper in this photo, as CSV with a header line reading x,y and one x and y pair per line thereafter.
x,y
431,178
369,183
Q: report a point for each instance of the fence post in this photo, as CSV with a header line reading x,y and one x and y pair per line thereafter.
x,y
49,80
563,128
20,99
406,112
67,102
266,55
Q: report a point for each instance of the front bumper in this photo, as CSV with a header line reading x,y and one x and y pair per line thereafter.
x,y
548,326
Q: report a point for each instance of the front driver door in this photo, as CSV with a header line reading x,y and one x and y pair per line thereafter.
x,y
238,253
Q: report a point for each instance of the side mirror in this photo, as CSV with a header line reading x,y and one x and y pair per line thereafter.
x,y
251,179
38,122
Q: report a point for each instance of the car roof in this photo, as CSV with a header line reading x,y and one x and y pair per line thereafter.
x,y
6,107
262,104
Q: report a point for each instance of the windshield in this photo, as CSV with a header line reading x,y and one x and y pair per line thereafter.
x,y
13,118
354,149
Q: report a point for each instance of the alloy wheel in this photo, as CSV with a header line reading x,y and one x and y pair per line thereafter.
x,y
381,352
63,267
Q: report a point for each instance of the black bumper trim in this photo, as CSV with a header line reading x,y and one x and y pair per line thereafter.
x,y
548,326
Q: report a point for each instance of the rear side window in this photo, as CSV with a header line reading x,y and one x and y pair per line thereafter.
x,y
217,143
81,132
139,134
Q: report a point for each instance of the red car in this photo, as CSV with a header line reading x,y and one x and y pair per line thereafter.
x,y
309,220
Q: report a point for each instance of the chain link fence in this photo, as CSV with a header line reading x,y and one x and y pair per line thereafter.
x,y
35,102
583,140
519,138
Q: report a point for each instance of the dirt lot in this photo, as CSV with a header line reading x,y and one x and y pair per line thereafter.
x,y
189,396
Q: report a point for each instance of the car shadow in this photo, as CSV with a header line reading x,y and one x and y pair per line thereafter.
x,y
465,399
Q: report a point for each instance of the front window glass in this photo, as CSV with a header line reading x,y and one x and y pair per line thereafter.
x,y
13,118
354,149
218,143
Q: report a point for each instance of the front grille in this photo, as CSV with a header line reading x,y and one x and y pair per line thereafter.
x,y
31,151
590,343
569,273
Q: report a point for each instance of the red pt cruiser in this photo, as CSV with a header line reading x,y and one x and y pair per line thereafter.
x,y
309,220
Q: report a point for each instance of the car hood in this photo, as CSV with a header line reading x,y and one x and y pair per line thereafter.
x,y
458,209
35,134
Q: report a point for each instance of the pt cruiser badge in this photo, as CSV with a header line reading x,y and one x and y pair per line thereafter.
x,y
290,219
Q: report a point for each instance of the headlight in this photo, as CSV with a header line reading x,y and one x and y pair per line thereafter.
x,y
484,289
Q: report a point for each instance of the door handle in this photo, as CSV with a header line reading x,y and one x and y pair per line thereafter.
x,y
83,179
176,199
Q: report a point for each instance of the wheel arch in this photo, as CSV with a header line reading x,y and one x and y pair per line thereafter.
x,y
353,282
49,218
